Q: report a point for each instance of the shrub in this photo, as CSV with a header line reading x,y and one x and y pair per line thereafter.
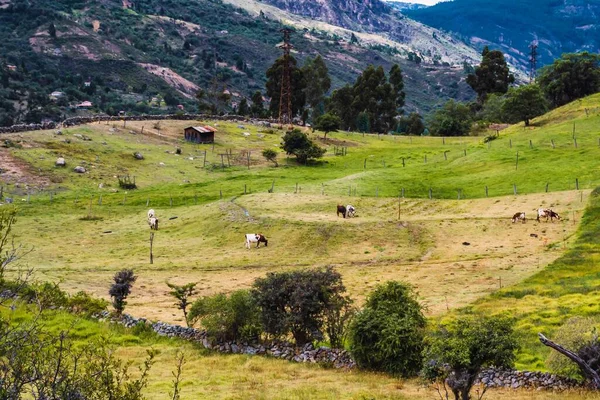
x,y
83,303
270,155
299,144
387,334
182,294
233,317
458,350
121,289
299,302
125,182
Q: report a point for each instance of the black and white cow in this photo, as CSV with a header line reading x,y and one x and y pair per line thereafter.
x,y
152,220
256,238
341,210
520,216
350,211
547,213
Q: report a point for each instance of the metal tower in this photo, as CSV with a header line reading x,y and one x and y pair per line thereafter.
x,y
285,98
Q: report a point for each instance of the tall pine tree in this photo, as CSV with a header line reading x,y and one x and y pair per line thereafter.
x,y
318,84
491,76
273,85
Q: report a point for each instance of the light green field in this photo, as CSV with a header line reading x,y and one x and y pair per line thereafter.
x,y
415,239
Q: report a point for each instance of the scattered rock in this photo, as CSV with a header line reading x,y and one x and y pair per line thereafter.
x,y
79,169
162,164
138,156
241,126
60,162
534,235
466,243
246,134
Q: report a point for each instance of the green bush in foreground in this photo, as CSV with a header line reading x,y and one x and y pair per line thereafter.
x,y
387,334
233,317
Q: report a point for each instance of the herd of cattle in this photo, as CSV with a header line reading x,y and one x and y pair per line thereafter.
x,y
541,213
349,211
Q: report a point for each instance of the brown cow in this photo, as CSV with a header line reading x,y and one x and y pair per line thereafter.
x,y
341,210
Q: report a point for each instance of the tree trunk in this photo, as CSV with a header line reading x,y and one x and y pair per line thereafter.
x,y
588,371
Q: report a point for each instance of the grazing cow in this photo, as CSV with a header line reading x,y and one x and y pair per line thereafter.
x,y
350,211
547,213
518,216
341,210
256,238
152,220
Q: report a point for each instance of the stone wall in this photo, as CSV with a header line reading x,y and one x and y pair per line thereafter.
x,y
277,349
103,118
490,377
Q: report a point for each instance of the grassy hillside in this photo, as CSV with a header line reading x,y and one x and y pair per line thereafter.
x,y
416,239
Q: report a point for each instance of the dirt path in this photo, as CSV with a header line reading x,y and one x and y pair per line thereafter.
x,y
15,171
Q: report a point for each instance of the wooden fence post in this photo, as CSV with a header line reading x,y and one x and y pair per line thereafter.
x,y
376,192
465,152
553,145
151,243
204,164
575,142
510,143
446,155
220,194
405,165
577,183
517,162
402,192
365,164
547,183
430,193
515,189
530,144
486,191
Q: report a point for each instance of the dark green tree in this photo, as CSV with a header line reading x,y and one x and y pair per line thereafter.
x,y
327,123
257,109
570,77
353,39
454,119
458,350
374,95
398,87
524,103
52,31
300,145
243,108
338,105
120,290
318,84
412,125
297,82
297,302
182,294
491,76
387,334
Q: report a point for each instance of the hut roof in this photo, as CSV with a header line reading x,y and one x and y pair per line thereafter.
x,y
203,129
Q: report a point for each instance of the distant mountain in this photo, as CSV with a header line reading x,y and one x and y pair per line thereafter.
x,y
402,6
557,26
67,57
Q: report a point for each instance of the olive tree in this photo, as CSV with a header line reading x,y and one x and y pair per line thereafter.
x,y
459,349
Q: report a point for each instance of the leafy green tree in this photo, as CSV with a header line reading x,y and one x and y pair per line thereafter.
x,y
491,76
243,108
120,290
493,109
270,155
182,294
327,123
297,302
300,145
374,95
52,31
398,87
363,123
233,317
338,105
454,119
412,125
524,103
387,334
318,82
257,110
570,77
458,350
297,82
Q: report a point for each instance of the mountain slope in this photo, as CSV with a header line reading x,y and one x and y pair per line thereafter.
x,y
149,56
557,26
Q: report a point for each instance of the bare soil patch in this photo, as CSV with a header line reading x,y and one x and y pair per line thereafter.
x,y
16,171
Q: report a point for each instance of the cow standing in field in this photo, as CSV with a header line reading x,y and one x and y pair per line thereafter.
x,y
520,216
256,238
547,213
341,210
152,220
350,211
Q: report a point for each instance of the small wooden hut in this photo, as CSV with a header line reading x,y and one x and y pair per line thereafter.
x,y
200,134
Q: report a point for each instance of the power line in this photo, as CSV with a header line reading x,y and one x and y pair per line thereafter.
x,y
285,98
